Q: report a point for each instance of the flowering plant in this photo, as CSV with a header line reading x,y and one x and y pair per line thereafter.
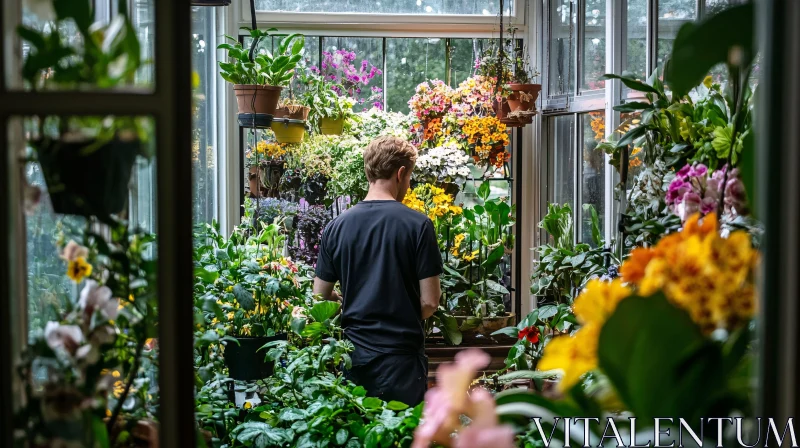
x,y
432,201
698,271
265,151
487,138
474,97
534,332
442,164
348,178
321,97
349,80
376,122
694,189
432,99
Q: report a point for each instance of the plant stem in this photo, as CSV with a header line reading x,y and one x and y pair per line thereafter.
x,y
738,92
124,396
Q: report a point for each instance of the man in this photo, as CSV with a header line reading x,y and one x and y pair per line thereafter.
x,y
388,262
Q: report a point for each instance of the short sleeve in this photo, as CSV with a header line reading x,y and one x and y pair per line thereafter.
x,y
429,259
325,269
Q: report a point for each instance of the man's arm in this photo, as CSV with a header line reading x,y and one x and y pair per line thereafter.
x,y
325,289
430,290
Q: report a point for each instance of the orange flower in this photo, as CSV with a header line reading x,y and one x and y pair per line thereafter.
x,y
632,271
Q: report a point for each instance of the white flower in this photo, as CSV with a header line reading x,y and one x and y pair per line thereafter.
x,y
63,337
72,251
95,297
42,8
88,353
298,312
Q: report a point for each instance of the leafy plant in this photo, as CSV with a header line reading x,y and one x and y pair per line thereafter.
x,y
278,70
321,98
310,223
564,268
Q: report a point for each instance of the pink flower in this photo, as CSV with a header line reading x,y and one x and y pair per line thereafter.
x,y
445,403
72,251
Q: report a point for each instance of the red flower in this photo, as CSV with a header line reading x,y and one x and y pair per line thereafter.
x,y
531,334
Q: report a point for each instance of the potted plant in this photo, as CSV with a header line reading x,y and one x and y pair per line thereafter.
x,y
67,148
252,303
328,109
258,81
431,101
349,79
486,138
313,162
266,164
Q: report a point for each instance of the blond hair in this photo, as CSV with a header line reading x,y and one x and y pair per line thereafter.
x,y
385,155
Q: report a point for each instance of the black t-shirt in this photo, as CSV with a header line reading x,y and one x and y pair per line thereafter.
x,y
379,251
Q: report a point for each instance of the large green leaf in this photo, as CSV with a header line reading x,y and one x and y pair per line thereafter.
x,y
700,46
658,360
632,83
449,328
261,435
323,311
244,297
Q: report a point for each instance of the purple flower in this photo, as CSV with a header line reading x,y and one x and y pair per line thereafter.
x,y
684,171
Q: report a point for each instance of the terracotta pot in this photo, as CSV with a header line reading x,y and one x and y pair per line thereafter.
x,y
292,112
257,99
523,96
329,126
256,189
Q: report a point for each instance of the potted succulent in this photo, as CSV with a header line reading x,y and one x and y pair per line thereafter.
x,y
328,110
258,80
67,148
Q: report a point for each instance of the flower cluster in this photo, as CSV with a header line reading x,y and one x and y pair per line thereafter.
x,y
431,100
488,138
532,334
450,399
473,97
694,190
697,270
349,79
466,254
432,201
442,164
268,150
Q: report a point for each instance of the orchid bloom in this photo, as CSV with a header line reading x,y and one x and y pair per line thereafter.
x,y
65,338
445,403
95,297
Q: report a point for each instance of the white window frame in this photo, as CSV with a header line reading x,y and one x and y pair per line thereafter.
x,y
382,22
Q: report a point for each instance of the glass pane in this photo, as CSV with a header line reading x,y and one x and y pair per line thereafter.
x,y
594,45
91,296
636,48
593,173
562,46
716,6
204,132
563,149
408,63
70,65
672,14
463,53
425,7
366,60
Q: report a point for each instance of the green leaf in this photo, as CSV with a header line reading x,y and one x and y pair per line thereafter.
x,y
700,46
298,325
33,37
323,311
359,391
497,287
341,436
658,360
484,190
396,406
512,332
547,311
449,328
372,403
631,135
260,434
291,414
244,297
78,10
632,83
208,273
494,256
633,106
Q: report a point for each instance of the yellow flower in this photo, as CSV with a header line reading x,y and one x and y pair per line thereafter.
x,y
575,355
599,300
472,256
248,405
458,239
708,81
230,316
79,269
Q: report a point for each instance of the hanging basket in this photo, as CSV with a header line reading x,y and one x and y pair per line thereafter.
x,y
329,126
244,360
523,96
87,178
288,130
257,99
259,121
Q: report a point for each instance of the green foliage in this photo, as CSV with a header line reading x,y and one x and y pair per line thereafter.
x,y
542,324
278,70
321,97
564,267
108,56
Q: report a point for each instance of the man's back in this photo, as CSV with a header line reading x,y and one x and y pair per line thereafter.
x,y
380,250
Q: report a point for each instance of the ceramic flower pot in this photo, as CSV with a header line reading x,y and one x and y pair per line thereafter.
x,y
87,184
288,130
523,96
293,112
329,126
244,360
257,99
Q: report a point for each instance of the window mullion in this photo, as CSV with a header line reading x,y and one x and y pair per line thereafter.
x,y
652,36
580,41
